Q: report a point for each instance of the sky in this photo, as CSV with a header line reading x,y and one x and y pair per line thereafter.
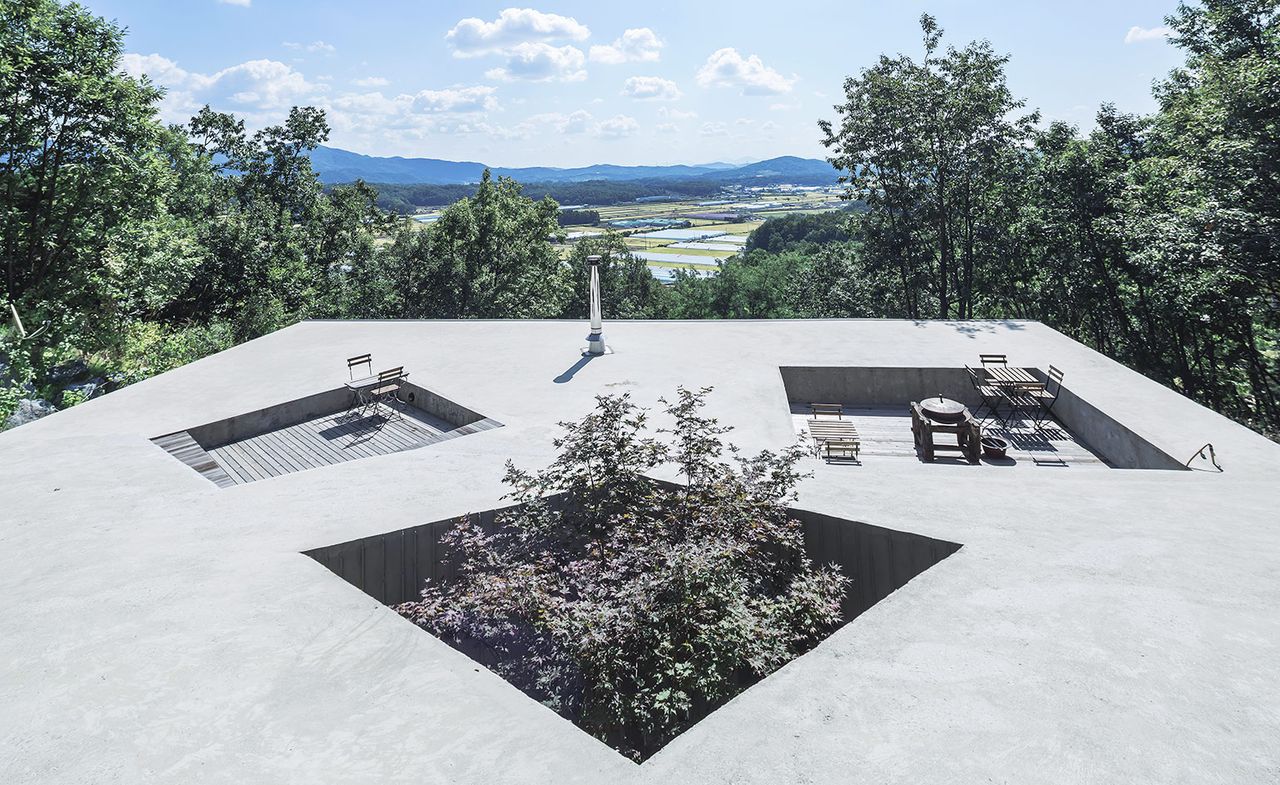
x,y
579,83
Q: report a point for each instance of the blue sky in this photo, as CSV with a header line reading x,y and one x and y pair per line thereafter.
x,y
576,83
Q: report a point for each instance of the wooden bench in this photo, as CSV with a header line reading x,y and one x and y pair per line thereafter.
x,y
841,450
834,437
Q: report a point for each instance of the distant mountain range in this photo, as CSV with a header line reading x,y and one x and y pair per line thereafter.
x,y
342,166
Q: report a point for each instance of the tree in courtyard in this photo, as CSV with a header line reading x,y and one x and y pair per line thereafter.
x,y
633,606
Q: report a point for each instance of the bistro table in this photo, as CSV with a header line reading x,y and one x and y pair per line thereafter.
x,y
824,431
1010,376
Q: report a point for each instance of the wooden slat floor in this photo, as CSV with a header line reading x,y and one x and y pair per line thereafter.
x,y
886,434
181,446
316,443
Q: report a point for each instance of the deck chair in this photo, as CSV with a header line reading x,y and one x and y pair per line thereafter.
x,y
993,359
989,395
355,362
387,390
1047,396
360,360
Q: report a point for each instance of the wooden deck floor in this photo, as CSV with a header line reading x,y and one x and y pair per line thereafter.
x,y
886,434
316,443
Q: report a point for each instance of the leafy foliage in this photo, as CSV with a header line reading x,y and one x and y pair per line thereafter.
x,y
632,606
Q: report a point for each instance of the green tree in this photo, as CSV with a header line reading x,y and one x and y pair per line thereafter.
x,y
488,256
628,289
929,147
635,607
81,164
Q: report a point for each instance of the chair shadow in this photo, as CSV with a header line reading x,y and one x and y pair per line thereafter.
x,y
573,369
360,428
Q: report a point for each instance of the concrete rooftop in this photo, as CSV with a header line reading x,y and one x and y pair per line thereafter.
x,y
1112,625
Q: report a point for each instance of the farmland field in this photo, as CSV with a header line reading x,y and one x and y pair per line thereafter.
x,y
683,234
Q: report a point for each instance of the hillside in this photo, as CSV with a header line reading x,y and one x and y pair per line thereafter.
x,y
341,166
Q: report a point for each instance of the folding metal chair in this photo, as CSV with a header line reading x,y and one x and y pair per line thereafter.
x,y
387,389
355,362
1047,395
989,395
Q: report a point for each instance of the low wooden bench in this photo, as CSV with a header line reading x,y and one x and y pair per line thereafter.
x,y
841,450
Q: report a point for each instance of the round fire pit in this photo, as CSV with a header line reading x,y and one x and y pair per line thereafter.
x,y
942,409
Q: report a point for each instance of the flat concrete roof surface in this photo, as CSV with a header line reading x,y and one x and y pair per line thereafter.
x,y
1115,625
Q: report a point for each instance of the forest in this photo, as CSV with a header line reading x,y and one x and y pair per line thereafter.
x,y
130,247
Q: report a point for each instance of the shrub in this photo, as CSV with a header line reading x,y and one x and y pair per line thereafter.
x,y
633,606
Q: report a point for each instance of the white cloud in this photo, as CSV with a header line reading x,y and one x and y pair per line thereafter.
x,y
576,123
744,121
676,114
260,91
241,3
1137,34
371,81
714,129
250,87
768,125
262,84
539,62
314,46
619,126
726,68
650,88
639,44
668,128
471,37
456,99
783,107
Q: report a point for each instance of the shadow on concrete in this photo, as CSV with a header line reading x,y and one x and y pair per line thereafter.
x,y
973,328
568,375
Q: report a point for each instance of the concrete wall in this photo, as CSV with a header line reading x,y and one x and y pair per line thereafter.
x,y
875,387
391,567
1109,437
439,406
244,426
878,561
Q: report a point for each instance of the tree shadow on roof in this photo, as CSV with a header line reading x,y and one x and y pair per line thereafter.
x,y
973,329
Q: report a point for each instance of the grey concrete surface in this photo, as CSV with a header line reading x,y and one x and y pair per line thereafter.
x,y
1096,626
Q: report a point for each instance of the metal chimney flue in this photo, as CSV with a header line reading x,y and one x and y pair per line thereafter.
x,y
595,339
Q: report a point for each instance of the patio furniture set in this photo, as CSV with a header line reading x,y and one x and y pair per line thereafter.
x,y
1007,393
371,390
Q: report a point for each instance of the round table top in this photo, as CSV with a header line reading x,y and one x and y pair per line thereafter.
x,y
944,409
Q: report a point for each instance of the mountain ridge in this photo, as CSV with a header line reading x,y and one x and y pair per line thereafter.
x,y
335,165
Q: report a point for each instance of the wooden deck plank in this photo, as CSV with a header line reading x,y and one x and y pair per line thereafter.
x,y
323,441
286,458
246,462
233,467
317,449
